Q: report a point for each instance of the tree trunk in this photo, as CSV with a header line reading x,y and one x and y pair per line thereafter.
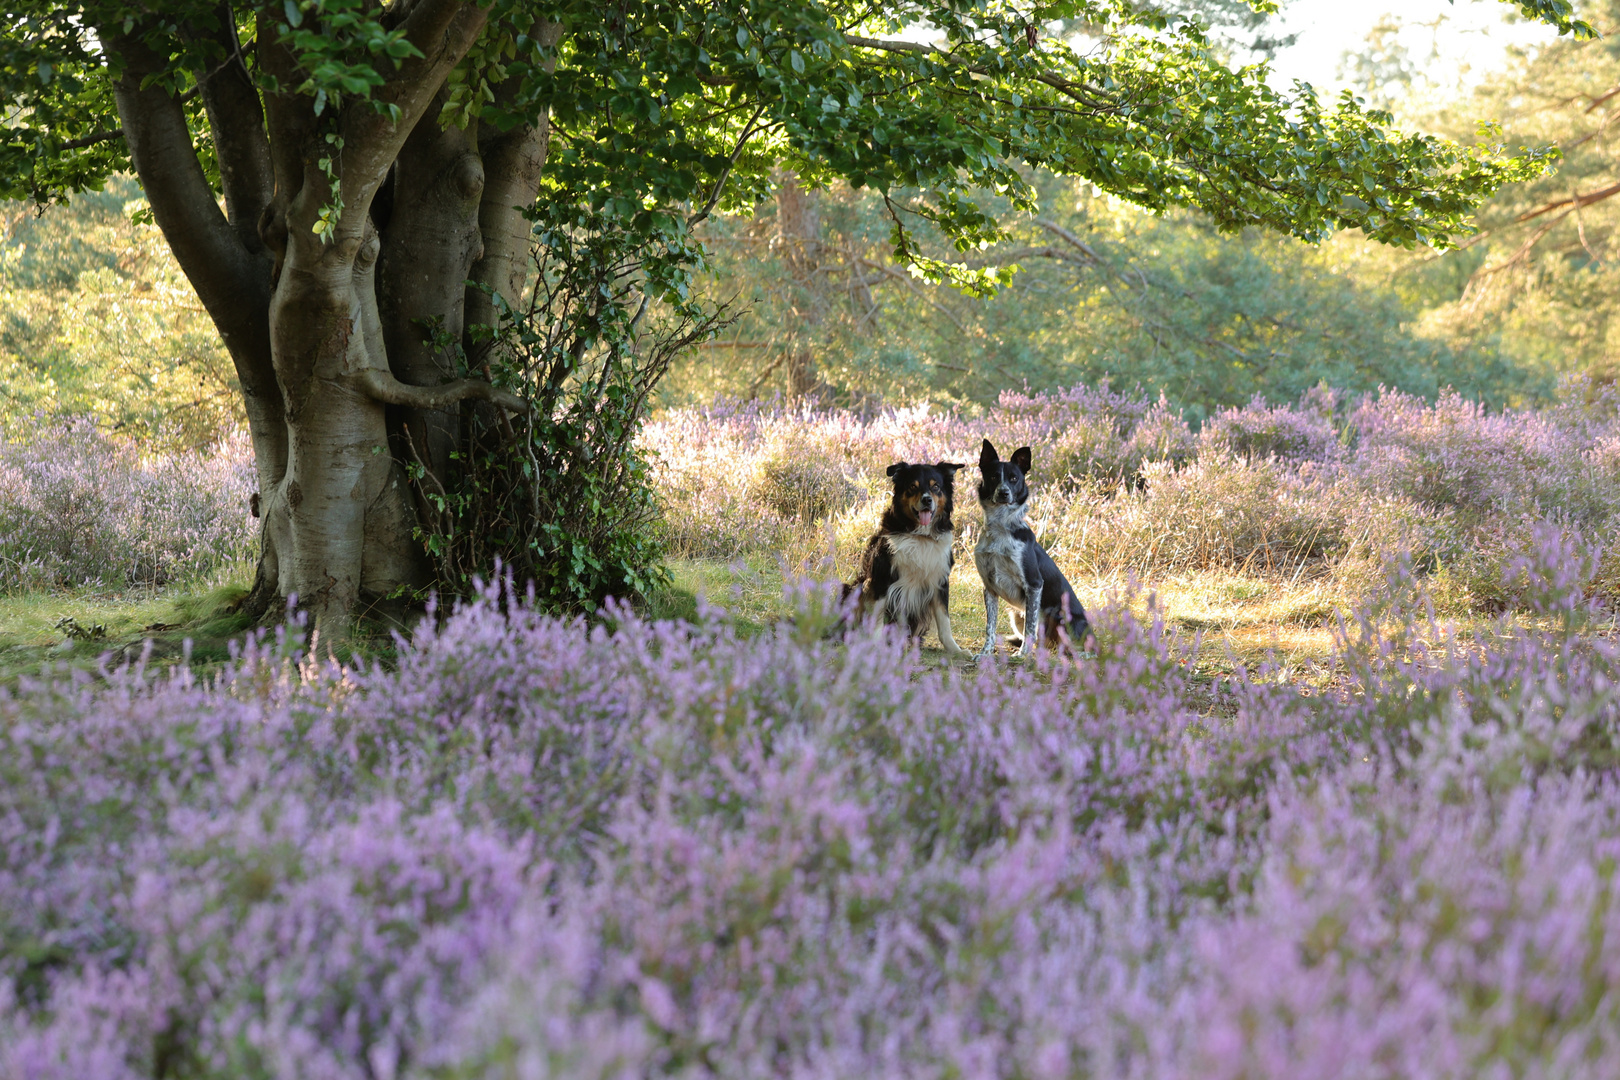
x,y
798,242
338,339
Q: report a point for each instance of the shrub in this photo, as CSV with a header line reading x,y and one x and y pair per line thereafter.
x,y
1258,431
808,490
80,507
1218,513
1453,454
563,495
1090,439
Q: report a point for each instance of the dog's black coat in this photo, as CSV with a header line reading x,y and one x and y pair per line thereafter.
x,y
1014,567
906,566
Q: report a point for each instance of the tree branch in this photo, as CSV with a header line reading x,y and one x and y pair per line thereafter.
x,y
513,164
1058,230
725,174
1088,96
443,30
1574,202
236,122
182,201
382,386
289,117
92,140
906,280
1476,283
117,132
232,282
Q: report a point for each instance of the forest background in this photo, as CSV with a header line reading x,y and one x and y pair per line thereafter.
x,y
96,320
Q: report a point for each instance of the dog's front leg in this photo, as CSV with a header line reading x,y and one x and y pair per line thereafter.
x,y
942,627
1032,619
992,615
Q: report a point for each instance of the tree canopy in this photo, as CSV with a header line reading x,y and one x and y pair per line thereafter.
x,y
659,104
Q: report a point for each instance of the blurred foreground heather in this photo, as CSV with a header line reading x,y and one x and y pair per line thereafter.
x,y
78,507
1327,489
541,848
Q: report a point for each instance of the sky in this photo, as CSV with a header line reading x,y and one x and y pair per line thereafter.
x,y
1467,45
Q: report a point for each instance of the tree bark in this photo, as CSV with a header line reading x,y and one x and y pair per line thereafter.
x,y
513,163
430,241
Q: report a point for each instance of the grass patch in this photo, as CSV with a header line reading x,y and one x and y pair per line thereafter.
x,y
74,629
1242,621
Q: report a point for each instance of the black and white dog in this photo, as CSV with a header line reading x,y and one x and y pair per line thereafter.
x,y
906,567
1014,567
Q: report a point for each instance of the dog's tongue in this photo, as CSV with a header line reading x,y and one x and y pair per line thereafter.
x,y
925,518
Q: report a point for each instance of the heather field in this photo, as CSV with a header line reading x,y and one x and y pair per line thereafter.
x,y
1260,530
1335,795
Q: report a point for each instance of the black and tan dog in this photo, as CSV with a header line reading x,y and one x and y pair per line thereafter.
x,y
906,567
1014,567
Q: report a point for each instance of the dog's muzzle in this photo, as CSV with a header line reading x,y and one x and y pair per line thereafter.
x,y
1004,494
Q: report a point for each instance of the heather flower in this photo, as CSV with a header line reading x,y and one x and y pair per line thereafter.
x,y
616,847
1123,485
540,847
77,507
1258,431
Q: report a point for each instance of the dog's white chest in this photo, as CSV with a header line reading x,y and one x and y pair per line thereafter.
x,y
999,558
921,565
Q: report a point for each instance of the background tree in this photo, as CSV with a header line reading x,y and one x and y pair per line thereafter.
x,y
802,281
1542,278
96,320
377,167
1165,302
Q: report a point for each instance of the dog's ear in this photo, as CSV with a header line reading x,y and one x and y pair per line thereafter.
x,y
948,467
896,467
1021,459
988,458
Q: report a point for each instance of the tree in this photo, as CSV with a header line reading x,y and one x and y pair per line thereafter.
x,y
1541,274
377,164
813,267
1161,302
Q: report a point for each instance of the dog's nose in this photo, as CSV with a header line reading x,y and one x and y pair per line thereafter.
x,y
1003,495
927,502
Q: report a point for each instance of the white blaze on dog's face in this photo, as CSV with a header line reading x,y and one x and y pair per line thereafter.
x,y
1003,483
